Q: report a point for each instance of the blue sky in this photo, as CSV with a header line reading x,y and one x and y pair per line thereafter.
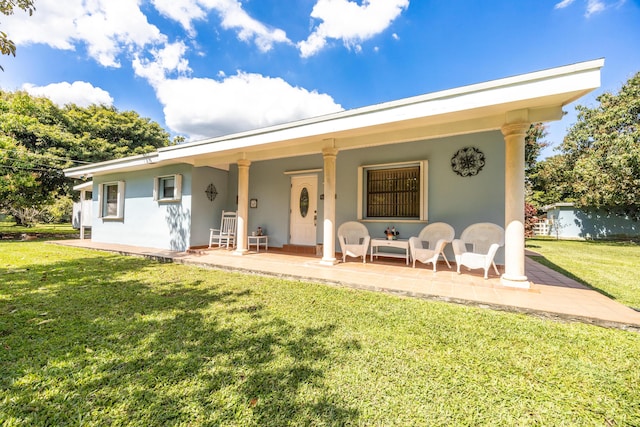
x,y
203,68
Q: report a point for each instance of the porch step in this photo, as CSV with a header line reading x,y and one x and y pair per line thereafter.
x,y
299,249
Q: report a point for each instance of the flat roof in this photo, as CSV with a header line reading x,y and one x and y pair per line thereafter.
x,y
534,97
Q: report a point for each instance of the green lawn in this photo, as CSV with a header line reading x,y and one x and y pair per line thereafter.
x,y
610,267
10,228
88,338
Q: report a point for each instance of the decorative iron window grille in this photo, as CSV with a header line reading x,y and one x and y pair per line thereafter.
x,y
393,192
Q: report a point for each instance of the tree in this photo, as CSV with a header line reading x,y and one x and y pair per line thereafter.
x,y
7,46
534,144
550,182
39,139
104,133
599,164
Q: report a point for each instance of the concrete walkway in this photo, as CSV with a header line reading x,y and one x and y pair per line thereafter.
x,y
551,295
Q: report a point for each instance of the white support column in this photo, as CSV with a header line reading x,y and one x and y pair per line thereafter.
x,y
329,155
243,206
514,274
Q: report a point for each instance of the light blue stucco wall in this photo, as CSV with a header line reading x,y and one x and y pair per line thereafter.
x,y
573,223
269,184
164,225
146,222
206,213
459,201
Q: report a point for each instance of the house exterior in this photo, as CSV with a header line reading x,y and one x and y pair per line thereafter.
x,y
82,215
455,156
565,221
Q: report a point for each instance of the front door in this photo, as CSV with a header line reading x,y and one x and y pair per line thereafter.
x,y
304,210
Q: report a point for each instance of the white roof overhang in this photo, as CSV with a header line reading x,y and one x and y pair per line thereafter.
x,y
557,205
83,186
533,97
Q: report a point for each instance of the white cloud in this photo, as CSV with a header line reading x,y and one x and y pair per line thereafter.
x,y
107,27
592,7
169,59
563,4
80,93
204,108
350,22
182,11
233,17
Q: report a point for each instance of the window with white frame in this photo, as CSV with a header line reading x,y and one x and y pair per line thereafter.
x,y
393,191
111,200
167,188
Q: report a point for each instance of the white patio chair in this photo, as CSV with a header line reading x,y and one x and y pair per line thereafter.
x,y
477,246
225,236
354,240
435,236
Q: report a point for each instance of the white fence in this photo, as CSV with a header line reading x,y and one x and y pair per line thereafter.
x,y
542,228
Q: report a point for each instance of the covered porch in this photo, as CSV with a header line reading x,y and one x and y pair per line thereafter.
x,y
551,295
508,105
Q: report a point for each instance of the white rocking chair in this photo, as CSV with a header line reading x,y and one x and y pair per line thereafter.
x,y
436,235
354,240
484,239
225,236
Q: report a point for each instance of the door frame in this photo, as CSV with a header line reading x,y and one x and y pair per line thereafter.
x,y
313,205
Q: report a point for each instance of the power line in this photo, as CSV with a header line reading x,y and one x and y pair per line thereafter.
x,y
51,156
15,159
11,168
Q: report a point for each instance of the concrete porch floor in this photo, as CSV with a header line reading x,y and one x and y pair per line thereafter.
x,y
551,295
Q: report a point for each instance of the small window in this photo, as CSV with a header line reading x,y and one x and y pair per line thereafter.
x,y
111,200
168,188
393,191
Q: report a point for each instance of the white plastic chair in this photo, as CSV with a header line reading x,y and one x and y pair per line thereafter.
x,y
225,236
477,246
354,240
436,236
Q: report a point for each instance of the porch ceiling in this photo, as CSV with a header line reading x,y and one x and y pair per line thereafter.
x,y
534,97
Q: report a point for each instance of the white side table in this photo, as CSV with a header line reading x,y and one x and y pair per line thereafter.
x,y
258,240
376,244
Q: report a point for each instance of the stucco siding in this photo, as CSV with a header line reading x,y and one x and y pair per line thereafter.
x,y
206,213
146,222
573,223
270,184
459,201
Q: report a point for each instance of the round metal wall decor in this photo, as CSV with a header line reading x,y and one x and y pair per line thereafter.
x,y
467,161
211,192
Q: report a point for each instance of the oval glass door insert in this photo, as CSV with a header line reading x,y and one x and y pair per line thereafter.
x,y
304,202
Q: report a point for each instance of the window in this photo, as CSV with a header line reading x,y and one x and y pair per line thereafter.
x,y
393,191
111,200
167,188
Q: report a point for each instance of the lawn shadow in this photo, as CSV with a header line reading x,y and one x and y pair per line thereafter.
x,y
83,341
540,259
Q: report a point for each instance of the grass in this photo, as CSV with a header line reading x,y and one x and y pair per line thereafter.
x,y
88,338
10,228
609,267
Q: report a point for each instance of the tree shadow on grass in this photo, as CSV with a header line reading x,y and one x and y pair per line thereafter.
x,y
544,261
118,340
